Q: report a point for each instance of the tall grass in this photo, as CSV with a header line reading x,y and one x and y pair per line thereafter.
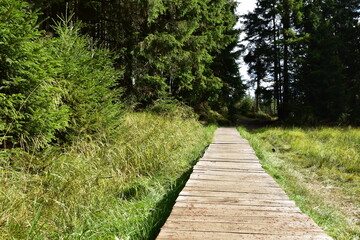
x,y
319,169
103,188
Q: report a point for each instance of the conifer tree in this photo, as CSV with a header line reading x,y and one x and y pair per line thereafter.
x,y
31,110
328,75
166,48
51,87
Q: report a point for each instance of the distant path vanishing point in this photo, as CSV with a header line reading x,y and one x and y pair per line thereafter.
x,y
229,196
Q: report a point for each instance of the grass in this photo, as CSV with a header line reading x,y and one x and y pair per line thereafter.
x,y
318,168
104,188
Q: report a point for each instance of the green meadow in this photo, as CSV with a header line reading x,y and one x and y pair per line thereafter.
x,y
319,168
101,188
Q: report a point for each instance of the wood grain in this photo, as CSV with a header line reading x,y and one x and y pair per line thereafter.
x,y
230,196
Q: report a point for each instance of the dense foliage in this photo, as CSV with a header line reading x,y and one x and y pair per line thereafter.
x,y
167,48
308,54
51,88
30,95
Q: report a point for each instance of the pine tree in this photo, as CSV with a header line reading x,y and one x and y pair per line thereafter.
x,y
263,51
88,76
31,110
166,48
272,32
51,86
329,76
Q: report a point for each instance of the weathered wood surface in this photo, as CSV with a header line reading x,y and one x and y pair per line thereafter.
x,y
229,196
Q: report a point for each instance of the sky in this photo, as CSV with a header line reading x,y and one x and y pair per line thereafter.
x,y
244,7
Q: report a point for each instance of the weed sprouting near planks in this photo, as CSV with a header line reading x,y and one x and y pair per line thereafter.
x,y
319,168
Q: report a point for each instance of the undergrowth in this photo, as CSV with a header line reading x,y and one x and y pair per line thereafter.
x,y
100,188
318,168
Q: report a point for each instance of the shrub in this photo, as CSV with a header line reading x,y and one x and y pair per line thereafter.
x,y
31,109
173,108
260,115
51,87
245,105
88,74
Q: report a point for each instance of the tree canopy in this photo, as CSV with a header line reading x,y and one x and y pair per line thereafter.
x,y
309,53
166,47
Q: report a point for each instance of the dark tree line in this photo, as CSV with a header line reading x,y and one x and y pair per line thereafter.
x,y
166,48
308,52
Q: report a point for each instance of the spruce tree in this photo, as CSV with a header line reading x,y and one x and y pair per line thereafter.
x,y
166,48
329,78
31,110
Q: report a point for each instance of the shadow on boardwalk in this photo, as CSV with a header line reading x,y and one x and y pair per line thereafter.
x,y
252,124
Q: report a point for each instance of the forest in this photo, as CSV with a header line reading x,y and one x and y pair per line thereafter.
x,y
106,104
62,63
307,53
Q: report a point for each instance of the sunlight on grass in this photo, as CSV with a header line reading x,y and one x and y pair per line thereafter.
x,y
101,188
319,169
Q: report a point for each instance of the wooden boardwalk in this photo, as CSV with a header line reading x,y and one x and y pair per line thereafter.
x,y
229,196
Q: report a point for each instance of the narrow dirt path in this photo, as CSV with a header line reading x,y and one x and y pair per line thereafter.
x,y
229,196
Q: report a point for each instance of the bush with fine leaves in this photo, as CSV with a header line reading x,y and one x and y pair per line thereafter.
x,y
31,109
88,75
51,89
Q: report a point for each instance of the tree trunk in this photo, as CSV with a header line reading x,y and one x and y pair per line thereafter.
x,y
286,84
276,67
257,95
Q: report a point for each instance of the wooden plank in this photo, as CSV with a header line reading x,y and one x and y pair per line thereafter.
x,y
225,164
221,185
244,151
282,229
196,235
231,166
239,160
232,148
230,196
254,196
221,213
237,169
236,178
237,208
228,155
235,189
234,200
298,219
229,173
214,180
